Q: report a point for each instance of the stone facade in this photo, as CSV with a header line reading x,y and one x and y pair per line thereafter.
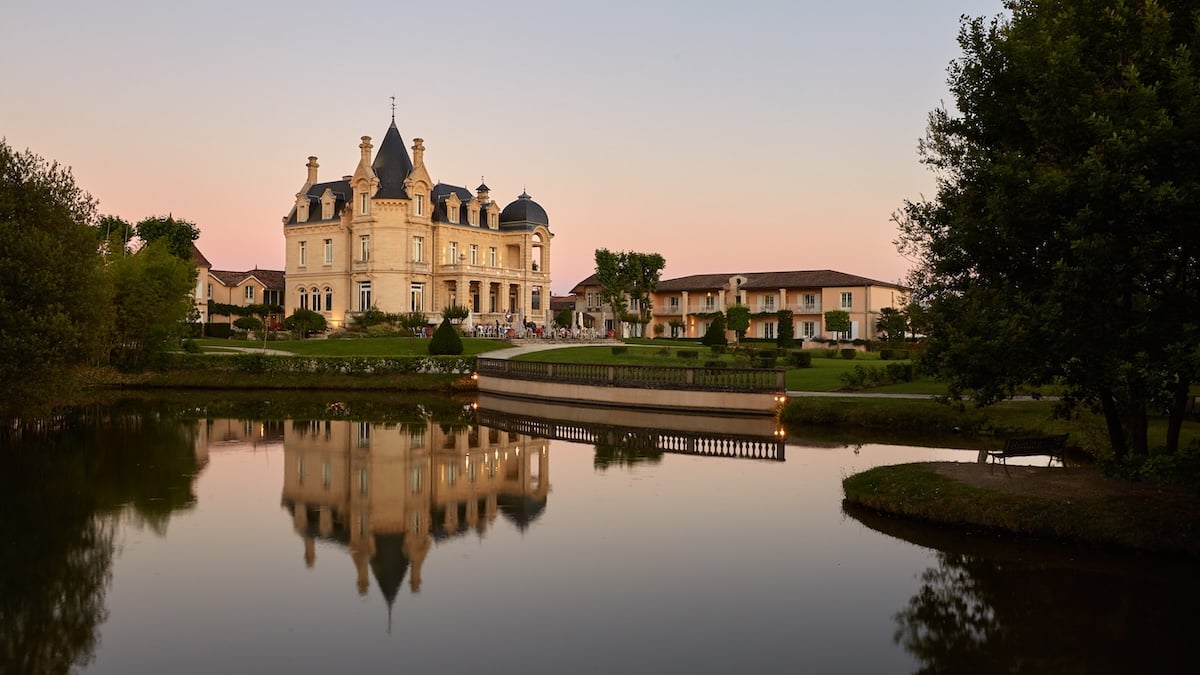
x,y
388,237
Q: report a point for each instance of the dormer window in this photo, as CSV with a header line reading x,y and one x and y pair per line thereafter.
x,y
366,204
452,213
419,205
474,217
493,220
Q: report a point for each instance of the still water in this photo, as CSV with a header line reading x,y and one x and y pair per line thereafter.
x,y
326,536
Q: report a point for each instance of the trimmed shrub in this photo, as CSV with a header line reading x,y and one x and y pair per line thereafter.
x,y
446,340
620,349
719,349
763,362
218,330
849,353
801,359
688,353
768,353
191,347
893,354
714,363
716,332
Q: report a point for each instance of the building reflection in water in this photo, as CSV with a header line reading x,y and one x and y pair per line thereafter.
x,y
387,491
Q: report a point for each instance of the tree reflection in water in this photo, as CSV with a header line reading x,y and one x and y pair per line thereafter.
x,y
999,605
64,482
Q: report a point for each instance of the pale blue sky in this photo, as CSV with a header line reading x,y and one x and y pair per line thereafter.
x,y
652,126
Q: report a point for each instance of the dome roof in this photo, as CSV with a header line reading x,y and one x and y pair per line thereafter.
x,y
524,210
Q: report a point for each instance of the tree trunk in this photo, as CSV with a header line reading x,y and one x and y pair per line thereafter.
x,y
1179,408
1112,417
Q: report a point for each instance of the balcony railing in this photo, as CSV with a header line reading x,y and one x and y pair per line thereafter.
x,y
644,377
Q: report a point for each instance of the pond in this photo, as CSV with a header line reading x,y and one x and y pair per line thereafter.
x,y
322,534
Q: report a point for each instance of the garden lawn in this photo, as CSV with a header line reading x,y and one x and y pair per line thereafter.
x,y
824,375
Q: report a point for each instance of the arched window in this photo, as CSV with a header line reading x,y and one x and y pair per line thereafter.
x,y
303,298
328,299
316,299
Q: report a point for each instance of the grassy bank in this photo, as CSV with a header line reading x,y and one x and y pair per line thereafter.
x,y
1108,512
209,379
386,346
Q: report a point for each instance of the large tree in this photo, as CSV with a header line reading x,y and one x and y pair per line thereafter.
x,y
53,296
1062,245
628,275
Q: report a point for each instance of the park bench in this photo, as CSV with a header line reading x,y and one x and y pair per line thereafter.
x,y
1029,446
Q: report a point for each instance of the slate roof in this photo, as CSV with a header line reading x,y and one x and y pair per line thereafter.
x,y
769,280
523,212
392,165
341,194
440,193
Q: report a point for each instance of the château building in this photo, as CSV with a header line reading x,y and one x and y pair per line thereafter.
x,y
390,238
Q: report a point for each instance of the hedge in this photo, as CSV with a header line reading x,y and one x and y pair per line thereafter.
x,y
322,365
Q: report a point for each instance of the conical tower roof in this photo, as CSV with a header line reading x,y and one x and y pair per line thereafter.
x,y
392,165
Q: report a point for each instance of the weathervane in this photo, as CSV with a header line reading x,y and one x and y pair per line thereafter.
x,y
393,108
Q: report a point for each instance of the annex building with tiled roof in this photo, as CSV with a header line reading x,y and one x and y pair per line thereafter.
x,y
389,237
685,306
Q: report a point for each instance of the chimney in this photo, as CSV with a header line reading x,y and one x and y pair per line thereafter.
x,y
312,170
365,147
418,149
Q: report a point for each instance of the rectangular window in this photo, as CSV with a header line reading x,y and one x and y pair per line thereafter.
x,y
364,247
710,303
250,294
847,300
271,297
418,249
364,295
673,302
808,330
535,298
420,205
364,435
474,254
417,297
769,303
768,330
452,213
328,299
303,253
492,256
453,253
810,303
366,203
328,251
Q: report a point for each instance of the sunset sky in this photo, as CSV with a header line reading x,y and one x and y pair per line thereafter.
x,y
729,137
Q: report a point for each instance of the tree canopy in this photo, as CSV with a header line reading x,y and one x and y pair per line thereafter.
x,y
178,233
628,274
1061,245
53,309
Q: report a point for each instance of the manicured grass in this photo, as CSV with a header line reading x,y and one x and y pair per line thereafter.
x,y
1151,520
824,375
355,347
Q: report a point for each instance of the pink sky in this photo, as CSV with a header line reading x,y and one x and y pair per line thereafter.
x,y
746,137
